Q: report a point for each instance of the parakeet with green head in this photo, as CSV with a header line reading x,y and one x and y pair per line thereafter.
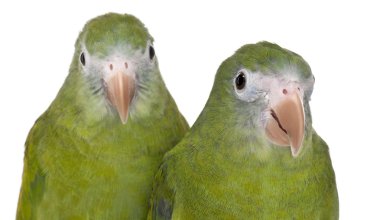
x,y
94,152
252,153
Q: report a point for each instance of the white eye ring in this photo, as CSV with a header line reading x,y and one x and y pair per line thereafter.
x,y
245,87
241,80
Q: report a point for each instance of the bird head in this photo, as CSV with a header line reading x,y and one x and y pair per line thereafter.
x,y
265,90
116,58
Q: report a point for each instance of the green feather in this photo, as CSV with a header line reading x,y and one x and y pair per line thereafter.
x,y
80,161
225,168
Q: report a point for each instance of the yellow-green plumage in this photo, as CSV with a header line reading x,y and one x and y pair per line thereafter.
x,y
225,168
81,161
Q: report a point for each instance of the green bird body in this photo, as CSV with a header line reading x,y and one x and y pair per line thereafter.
x,y
94,152
231,164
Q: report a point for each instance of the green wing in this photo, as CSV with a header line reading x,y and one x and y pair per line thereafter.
x,y
33,179
162,199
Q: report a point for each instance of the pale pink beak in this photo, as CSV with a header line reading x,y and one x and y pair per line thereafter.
x,y
120,92
287,125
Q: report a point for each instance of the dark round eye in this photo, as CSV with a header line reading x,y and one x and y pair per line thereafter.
x,y
82,59
240,81
151,52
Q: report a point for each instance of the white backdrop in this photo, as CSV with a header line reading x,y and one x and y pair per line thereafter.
x,y
338,39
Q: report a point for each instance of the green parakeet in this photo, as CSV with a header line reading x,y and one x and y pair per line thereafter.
x,y
252,153
94,152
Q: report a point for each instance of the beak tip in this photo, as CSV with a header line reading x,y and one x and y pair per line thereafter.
x,y
295,151
295,148
124,120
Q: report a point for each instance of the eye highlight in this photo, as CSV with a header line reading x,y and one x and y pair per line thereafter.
x,y
240,81
82,59
151,52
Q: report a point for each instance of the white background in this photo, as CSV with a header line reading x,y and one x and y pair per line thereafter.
x,y
340,41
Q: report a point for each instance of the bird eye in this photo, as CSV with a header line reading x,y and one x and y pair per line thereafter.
x,y
151,52
82,59
240,81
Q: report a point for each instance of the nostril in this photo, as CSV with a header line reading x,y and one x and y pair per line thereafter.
x,y
299,89
284,91
111,66
126,65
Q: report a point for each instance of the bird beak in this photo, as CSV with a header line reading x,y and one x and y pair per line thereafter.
x,y
286,127
120,89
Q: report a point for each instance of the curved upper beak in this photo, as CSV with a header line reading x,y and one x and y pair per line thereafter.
x,y
120,89
286,127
